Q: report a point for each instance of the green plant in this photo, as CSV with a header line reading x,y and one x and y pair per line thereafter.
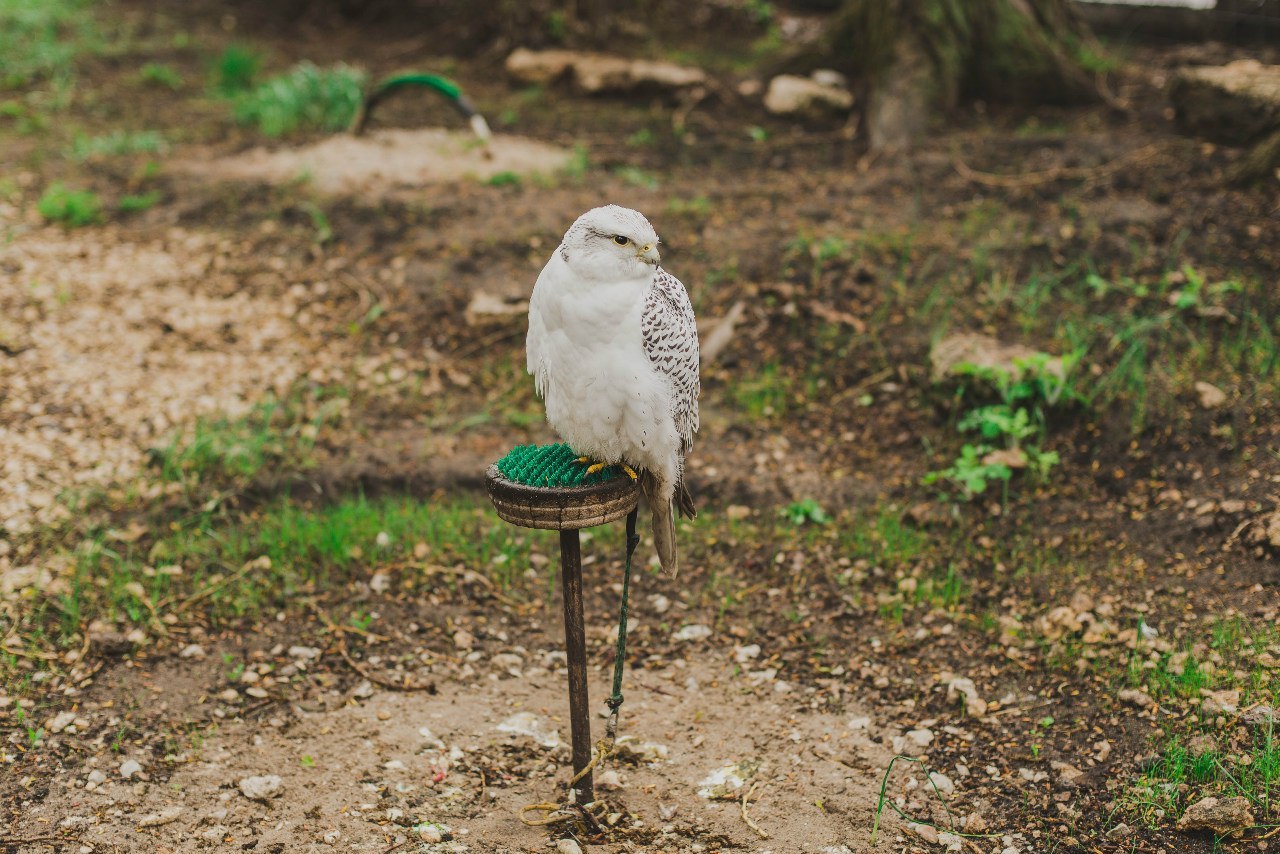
x,y
504,179
72,208
116,144
40,39
160,74
305,97
972,471
235,70
803,512
139,203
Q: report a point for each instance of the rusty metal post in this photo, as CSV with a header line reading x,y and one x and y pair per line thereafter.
x,y
575,643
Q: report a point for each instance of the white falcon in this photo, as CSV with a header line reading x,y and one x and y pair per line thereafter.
x,y
613,348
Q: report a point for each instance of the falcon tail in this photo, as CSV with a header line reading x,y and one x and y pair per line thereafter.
x,y
664,522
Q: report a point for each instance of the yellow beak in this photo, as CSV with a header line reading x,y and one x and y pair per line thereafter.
x,y
649,254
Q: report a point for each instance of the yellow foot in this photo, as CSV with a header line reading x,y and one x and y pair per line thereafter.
x,y
595,467
629,470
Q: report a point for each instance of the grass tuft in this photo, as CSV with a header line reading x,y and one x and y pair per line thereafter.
x,y
306,97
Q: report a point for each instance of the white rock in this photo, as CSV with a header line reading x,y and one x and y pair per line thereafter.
x,y
608,780
331,837
193,650
527,723
508,662
380,582
262,788
790,95
695,631
722,782
60,721
1211,397
429,832
165,816
95,779
743,654
661,604
567,846
130,768
363,691
942,782
922,737
215,834
963,687
306,653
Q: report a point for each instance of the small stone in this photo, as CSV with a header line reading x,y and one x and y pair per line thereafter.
x,y
1219,702
975,822
130,768
567,846
1068,775
230,695
249,677
1199,745
384,715
305,653
331,837
165,816
463,639
193,650
60,721
381,582
509,663
789,94
695,631
666,812
1136,697
743,654
363,691
429,832
925,832
95,779
942,782
1221,815
922,737
963,687
608,780
1211,397
1120,831
1032,776
257,693
1260,715
262,788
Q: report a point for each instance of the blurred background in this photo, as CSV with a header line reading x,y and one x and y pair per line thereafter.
x,y
989,319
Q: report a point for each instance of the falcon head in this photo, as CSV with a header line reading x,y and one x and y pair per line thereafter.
x,y
611,243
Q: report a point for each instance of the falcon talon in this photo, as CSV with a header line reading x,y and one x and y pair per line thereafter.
x,y
630,471
595,467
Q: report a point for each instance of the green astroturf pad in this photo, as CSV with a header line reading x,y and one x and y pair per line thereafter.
x,y
551,465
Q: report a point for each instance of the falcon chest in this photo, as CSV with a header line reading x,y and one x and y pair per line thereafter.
x,y
604,395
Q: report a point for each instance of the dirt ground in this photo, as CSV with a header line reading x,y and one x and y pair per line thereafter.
x,y
1020,706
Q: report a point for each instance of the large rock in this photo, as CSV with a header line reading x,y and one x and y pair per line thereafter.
x,y
1237,103
807,96
600,74
1221,815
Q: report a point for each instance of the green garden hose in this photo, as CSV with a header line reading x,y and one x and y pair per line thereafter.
x,y
442,85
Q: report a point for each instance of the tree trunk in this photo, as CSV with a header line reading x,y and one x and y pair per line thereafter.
x,y
914,57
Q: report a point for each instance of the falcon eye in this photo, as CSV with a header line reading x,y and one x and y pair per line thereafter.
x,y
620,240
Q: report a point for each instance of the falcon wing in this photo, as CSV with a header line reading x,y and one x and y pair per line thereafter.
x,y
670,336
534,362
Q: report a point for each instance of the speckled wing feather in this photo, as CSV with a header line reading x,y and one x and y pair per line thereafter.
x,y
670,336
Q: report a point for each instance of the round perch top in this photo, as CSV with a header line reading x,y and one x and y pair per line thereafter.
x,y
546,487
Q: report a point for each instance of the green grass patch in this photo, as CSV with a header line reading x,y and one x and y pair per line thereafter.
x,y
71,208
140,202
766,395
118,143
306,97
235,70
40,39
160,74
